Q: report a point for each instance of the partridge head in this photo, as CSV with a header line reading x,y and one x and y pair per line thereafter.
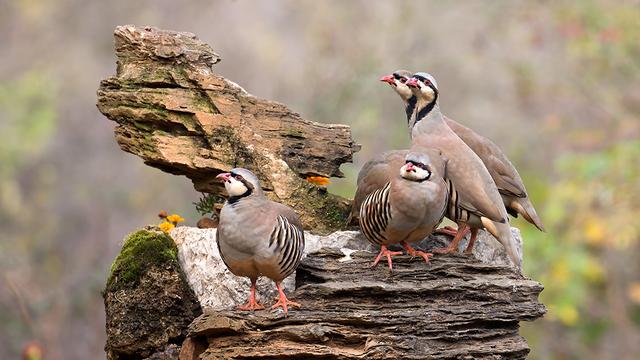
x,y
398,82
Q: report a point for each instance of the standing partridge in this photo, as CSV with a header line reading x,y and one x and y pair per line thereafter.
x,y
477,202
502,171
258,237
408,207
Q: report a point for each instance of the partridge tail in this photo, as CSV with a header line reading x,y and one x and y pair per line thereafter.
x,y
524,207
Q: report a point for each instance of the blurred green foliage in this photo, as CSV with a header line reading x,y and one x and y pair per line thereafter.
x,y
28,116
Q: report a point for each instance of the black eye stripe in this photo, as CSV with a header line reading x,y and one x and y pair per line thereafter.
x,y
418,164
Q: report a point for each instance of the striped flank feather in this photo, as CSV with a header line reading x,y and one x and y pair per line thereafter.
x,y
375,214
454,211
287,241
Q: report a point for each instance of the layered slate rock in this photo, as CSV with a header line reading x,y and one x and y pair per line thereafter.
x,y
179,116
454,308
217,288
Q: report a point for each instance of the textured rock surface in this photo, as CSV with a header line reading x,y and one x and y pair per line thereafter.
x,y
147,301
178,115
217,288
454,308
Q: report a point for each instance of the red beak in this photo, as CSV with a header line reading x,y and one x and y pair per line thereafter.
x,y
412,82
388,79
409,167
224,176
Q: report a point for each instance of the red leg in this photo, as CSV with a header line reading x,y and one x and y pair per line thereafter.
x,y
283,302
474,234
388,254
252,304
453,246
449,231
413,252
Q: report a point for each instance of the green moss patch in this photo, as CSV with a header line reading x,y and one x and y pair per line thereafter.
x,y
142,250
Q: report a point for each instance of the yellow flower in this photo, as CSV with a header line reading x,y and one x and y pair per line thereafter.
x,y
318,180
175,219
166,227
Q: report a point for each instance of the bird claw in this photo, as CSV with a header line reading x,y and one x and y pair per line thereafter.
x,y
385,252
284,303
251,306
413,252
447,230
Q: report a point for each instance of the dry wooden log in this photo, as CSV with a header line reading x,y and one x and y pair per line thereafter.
x,y
175,113
454,308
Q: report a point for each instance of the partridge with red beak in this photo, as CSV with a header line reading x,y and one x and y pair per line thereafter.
x,y
258,237
502,171
474,199
408,207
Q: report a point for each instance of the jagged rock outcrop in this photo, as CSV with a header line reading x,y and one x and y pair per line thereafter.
x,y
178,115
217,288
454,308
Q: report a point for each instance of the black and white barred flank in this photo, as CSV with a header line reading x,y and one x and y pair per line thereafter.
x,y
375,214
454,211
289,245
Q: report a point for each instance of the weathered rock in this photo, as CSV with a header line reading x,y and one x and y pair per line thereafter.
x,y
147,301
217,288
213,284
454,308
176,114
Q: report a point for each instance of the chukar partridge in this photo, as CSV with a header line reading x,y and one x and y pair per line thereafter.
x,y
374,175
408,207
502,171
477,203
258,237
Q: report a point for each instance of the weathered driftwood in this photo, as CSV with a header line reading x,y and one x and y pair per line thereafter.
x,y
454,308
179,116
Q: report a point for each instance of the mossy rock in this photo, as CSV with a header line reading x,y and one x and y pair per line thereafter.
x,y
142,250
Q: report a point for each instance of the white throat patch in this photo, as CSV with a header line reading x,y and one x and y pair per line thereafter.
x,y
235,187
427,93
403,90
416,174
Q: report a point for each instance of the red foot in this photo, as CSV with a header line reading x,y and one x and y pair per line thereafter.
x,y
283,302
384,251
252,304
453,246
413,252
447,230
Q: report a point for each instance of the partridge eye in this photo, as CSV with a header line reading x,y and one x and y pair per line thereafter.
x,y
403,80
238,177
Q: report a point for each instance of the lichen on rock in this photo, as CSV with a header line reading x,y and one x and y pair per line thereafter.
x,y
142,250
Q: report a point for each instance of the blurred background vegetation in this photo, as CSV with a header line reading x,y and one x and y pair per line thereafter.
x,y
555,83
